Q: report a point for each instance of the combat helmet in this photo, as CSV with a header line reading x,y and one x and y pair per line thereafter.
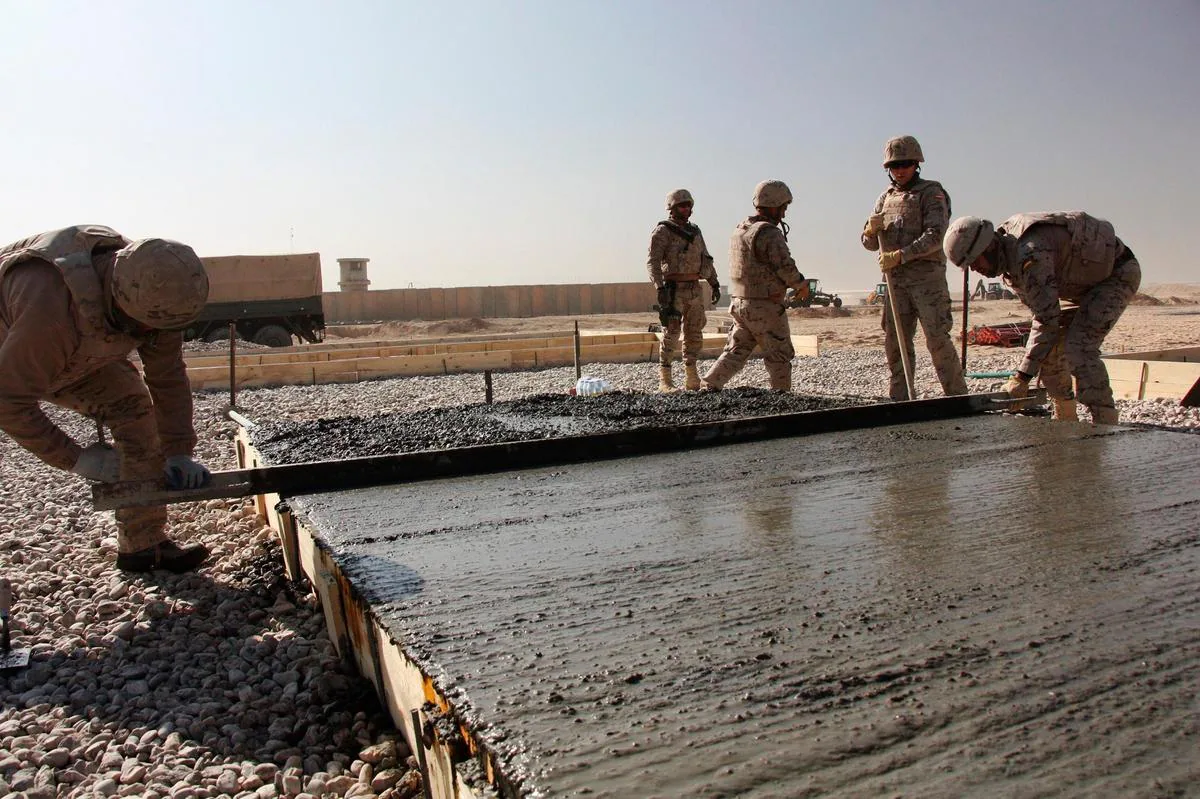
x,y
159,283
902,148
771,194
679,196
966,239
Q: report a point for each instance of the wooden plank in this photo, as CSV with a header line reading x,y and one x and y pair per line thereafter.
x,y
477,361
1183,354
1131,380
807,346
619,353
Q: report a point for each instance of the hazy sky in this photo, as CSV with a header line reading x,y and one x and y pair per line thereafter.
x,y
489,142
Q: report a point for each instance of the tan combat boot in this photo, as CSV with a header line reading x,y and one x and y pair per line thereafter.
x,y
1064,410
1104,415
664,379
692,381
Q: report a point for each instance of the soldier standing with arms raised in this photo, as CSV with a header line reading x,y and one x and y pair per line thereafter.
x,y
678,261
761,269
911,216
1052,260
73,304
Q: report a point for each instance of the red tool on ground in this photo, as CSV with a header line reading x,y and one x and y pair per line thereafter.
x,y
1013,334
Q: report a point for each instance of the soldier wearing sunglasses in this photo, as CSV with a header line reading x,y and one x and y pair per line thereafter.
x,y
910,218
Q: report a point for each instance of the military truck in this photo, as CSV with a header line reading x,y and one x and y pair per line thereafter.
x,y
815,297
269,298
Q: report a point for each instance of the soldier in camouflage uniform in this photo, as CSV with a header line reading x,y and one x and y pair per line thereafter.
x,y
1060,265
911,218
761,270
73,304
678,261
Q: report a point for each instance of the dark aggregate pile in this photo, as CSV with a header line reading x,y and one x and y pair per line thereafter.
x,y
535,417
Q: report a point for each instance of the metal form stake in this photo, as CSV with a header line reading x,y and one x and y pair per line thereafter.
x,y
100,432
578,365
900,337
966,304
487,386
10,659
232,365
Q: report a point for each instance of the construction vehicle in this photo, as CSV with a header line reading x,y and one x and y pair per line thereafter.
x,y
815,297
995,290
879,295
268,298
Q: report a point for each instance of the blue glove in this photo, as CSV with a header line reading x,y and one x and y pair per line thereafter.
x,y
98,462
186,472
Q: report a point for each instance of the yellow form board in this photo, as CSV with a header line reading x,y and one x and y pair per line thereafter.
x,y
1158,374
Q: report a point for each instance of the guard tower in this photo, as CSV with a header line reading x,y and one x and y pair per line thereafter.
x,y
354,274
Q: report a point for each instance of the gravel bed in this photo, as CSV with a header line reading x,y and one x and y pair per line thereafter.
x,y
224,683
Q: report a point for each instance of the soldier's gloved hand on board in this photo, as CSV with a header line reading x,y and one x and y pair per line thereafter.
x,y
98,462
1017,386
185,472
716,292
874,225
889,259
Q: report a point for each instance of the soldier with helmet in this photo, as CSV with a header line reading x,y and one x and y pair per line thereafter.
x,y
911,218
761,270
678,261
73,304
1062,264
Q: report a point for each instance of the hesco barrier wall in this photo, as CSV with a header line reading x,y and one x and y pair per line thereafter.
x,y
485,302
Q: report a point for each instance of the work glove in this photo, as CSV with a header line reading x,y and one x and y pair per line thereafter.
x,y
889,259
1017,387
185,472
664,297
874,225
99,463
716,292
802,292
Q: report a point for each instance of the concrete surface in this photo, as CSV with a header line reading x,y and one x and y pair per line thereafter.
x,y
995,606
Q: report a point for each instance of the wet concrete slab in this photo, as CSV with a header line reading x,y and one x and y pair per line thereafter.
x,y
988,606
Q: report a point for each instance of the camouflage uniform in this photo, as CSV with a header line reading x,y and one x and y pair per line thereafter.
x,y
761,269
1077,278
679,255
58,343
915,219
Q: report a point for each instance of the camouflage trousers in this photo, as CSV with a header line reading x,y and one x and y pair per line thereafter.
x,y
921,295
756,322
690,300
1083,328
116,395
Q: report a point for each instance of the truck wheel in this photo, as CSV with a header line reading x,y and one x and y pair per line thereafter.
x,y
273,336
837,302
217,334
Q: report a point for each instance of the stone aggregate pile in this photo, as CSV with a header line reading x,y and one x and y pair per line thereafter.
x,y
224,682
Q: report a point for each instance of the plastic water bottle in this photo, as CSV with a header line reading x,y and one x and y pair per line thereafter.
x,y
587,386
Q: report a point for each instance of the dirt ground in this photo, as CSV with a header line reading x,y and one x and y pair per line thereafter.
x,y
1162,316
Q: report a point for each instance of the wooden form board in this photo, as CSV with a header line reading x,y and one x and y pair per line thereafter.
x,y
323,365
1178,354
405,690
1149,379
